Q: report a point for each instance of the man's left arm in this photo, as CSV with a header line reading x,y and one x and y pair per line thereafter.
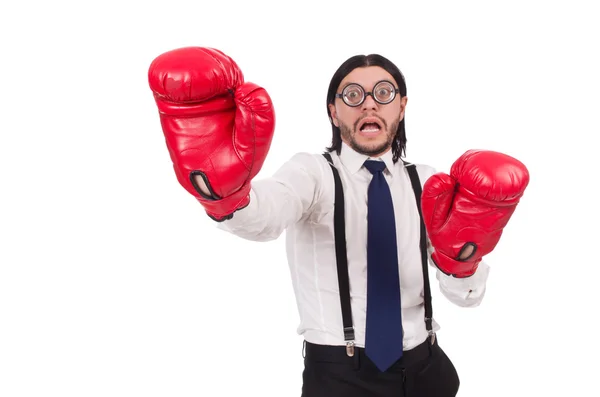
x,y
465,213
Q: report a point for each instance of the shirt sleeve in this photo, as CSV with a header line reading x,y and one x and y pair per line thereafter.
x,y
278,201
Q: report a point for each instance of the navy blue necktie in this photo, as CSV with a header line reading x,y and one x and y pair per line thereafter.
x,y
384,317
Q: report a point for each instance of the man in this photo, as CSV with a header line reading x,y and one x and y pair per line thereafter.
x,y
354,218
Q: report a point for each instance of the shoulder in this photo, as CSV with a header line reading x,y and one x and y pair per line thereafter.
x,y
314,173
313,163
305,160
306,166
425,171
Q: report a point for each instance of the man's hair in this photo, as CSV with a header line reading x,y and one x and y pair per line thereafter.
x,y
399,142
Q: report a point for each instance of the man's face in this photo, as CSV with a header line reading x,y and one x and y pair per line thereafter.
x,y
370,127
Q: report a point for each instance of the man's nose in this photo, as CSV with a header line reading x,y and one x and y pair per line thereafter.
x,y
369,103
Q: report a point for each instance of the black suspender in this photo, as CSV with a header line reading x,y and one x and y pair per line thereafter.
x,y
416,184
342,259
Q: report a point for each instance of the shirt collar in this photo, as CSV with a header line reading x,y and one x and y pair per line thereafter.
x,y
353,161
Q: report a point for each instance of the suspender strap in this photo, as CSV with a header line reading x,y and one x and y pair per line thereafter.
x,y
416,184
342,259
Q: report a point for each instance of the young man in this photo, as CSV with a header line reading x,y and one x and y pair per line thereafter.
x,y
354,217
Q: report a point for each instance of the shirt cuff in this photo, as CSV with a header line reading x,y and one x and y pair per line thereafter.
x,y
468,291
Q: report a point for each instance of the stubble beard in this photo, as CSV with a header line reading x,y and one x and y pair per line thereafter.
x,y
370,149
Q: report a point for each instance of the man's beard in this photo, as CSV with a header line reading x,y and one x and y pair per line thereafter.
x,y
372,149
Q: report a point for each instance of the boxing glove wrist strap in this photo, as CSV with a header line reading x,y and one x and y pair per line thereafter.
x,y
453,267
222,209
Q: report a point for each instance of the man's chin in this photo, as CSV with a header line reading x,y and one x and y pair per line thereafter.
x,y
371,149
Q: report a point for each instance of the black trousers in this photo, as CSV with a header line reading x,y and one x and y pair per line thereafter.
x,y
425,371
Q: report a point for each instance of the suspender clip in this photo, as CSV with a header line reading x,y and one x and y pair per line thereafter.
x,y
432,337
349,338
350,348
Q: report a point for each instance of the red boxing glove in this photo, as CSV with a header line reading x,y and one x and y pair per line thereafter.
x,y
215,125
470,207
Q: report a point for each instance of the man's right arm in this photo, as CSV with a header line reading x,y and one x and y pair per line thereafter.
x,y
278,201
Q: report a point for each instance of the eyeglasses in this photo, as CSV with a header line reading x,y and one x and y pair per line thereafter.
x,y
354,95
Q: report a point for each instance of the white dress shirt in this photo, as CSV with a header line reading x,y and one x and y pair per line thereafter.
x,y
299,199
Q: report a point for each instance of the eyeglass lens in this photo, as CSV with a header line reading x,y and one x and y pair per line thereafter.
x,y
383,92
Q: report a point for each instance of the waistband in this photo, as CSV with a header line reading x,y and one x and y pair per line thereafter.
x,y
338,354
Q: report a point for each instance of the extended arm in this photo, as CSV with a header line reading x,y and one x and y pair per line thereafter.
x,y
465,213
278,201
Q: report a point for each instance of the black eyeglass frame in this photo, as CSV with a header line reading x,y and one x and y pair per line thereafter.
x,y
395,91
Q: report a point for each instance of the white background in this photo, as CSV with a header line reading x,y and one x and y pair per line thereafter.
x,y
113,282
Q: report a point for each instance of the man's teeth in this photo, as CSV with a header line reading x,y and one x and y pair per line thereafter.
x,y
370,128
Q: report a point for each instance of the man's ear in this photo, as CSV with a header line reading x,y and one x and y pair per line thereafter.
x,y
403,102
333,116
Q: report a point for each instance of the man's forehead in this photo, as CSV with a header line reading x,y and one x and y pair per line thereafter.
x,y
367,76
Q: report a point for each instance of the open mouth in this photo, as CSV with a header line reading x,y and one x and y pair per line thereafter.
x,y
370,125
